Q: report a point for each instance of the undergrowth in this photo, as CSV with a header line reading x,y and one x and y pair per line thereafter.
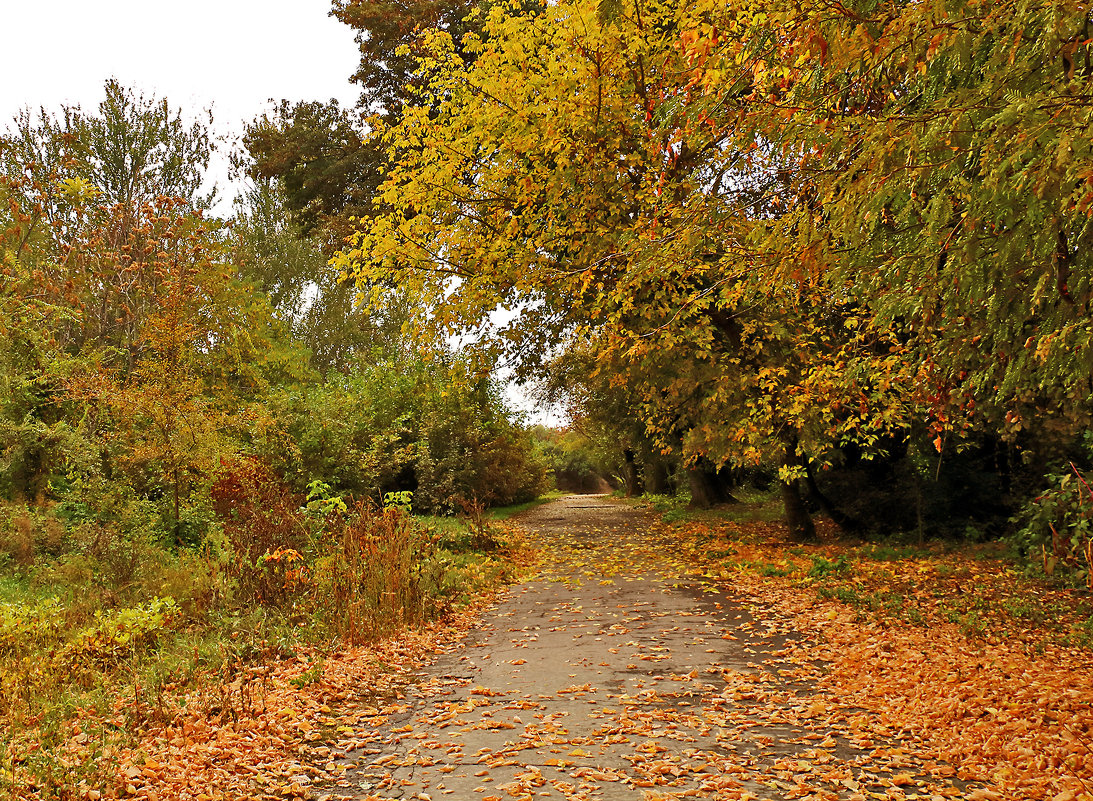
x,y
982,588
104,630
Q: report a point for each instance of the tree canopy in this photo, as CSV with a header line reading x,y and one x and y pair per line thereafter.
x,y
789,230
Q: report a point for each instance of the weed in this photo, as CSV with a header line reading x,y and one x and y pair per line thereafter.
x,y
402,499
775,570
823,567
850,596
313,674
970,621
473,516
1082,634
1022,608
264,527
914,616
887,552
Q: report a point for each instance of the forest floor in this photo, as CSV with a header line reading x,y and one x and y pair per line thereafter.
x,y
633,665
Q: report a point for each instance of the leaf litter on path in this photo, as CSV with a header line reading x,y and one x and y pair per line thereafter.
x,y
622,672
656,686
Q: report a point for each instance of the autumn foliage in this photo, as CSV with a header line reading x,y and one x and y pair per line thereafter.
x,y
796,236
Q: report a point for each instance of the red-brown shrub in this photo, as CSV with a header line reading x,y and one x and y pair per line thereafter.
x,y
265,530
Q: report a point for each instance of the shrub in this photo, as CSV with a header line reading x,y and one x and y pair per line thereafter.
x,y
1057,525
25,534
119,633
376,574
265,531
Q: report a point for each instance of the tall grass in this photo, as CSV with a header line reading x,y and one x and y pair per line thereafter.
x,y
375,576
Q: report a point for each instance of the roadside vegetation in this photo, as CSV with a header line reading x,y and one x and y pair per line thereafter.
x,y
211,455
104,642
987,588
825,274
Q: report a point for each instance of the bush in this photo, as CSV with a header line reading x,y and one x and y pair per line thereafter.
x,y
576,462
265,531
377,574
26,533
438,430
1057,526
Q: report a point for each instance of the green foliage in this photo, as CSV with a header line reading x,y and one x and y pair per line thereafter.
x,y
321,156
116,634
321,503
672,509
325,166
822,567
576,463
149,358
1057,526
781,241
438,430
402,499
132,151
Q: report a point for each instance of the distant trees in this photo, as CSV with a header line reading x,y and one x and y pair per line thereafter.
x,y
133,150
321,154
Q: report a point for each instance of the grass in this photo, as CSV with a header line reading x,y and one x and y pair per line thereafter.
x,y
454,524
505,512
751,505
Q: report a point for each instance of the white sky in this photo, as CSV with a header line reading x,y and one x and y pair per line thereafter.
x,y
235,54
232,55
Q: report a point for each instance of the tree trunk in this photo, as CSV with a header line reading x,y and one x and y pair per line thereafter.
x,y
656,477
630,475
178,509
845,522
798,520
707,487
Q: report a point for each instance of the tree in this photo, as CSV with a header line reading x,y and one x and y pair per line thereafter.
x,y
561,173
388,35
322,309
941,147
321,156
188,385
36,436
149,356
434,425
132,151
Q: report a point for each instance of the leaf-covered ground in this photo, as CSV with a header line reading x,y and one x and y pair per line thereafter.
x,y
634,667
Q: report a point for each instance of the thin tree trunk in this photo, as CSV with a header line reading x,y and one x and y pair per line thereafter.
x,y
656,477
178,524
630,474
798,520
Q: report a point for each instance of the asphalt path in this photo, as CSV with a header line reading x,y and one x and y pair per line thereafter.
x,y
616,674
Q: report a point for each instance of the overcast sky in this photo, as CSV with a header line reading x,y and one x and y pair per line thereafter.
x,y
232,55
235,54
